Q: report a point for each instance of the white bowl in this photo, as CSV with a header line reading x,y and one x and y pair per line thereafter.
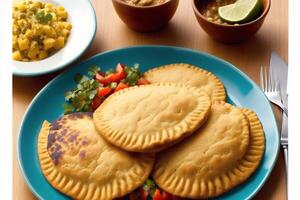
x,y
84,26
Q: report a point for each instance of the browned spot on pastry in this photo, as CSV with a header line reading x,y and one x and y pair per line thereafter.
x,y
82,154
77,156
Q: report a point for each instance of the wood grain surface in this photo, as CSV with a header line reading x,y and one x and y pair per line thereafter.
x,y
183,30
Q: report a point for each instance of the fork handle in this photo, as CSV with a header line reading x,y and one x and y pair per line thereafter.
x,y
285,151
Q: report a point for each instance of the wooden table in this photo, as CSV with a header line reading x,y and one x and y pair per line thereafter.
x,y
184,31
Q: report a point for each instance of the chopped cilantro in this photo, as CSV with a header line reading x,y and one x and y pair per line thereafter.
x,y
93,70
112,85
132,74
150,186
43,18
80,98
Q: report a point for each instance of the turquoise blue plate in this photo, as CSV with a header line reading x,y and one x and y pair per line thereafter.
x,y
241,91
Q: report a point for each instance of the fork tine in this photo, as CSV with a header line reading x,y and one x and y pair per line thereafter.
x,y
271,81
275,81
272,88
266,78
277,84
262,78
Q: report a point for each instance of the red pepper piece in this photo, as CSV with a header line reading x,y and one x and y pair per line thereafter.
x,y
121,86
142,81
103,92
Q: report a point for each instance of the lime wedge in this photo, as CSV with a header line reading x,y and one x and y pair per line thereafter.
x,y
241,11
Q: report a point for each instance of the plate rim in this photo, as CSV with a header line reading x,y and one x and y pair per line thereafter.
x,y
244,75
32,74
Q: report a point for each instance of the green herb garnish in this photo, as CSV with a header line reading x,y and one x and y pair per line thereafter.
x,y
80,98
93,70
112,85
43,18
132,74
150,186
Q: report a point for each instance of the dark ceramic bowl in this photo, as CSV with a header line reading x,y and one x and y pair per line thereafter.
x,y
230,33
146,18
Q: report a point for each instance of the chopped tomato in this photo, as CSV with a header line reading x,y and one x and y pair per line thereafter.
x,y
121,86
177,198
96,102
142,81
112,78
101,73
101,79
102,92
118,75
162,195
166,196
143,194
157,195
132,196
120,67
120,71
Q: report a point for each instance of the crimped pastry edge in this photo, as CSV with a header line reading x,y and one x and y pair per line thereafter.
x,y
87,191
225,182
219,93
119,139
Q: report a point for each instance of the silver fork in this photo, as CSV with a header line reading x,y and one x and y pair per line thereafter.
x,y
271,88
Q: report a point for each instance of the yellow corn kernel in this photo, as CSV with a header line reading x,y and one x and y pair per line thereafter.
x,y
48,10
17,55
48,43
14,26
53,33
15,29
29,33
65,32
23,44
37,4
47,30
21,7
59,43
49,5
61,25
21,23
60,8
43,55
62,14
34,45
33,53
38,31
67,26
15,45
54,18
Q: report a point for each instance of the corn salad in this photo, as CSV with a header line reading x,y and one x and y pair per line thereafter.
x,y
39,30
